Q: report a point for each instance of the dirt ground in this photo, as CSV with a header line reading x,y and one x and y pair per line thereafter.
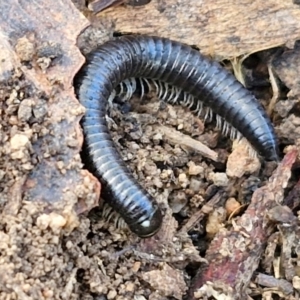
x,y
57,243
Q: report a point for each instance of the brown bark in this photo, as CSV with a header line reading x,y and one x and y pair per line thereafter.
x,y
234,255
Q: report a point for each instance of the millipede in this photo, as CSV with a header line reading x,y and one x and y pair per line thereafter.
x,y
182,76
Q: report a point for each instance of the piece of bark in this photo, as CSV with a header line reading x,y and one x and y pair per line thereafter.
x,y
287,68
220,28
270,252
269,281
99,5
290,241
293,198
234,254
38,42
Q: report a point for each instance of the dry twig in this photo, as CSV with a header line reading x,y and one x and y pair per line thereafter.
x,y
177,138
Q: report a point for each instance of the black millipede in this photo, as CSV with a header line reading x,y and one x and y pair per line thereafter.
x,y
165,63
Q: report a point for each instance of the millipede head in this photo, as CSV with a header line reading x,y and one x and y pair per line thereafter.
x,y
270,151
149,226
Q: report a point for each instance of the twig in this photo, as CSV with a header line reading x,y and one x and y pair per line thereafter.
x,y
177,138
275,89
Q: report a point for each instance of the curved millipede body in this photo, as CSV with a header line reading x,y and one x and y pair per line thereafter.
x,y
179,66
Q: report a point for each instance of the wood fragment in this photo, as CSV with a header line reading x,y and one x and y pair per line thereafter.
x,y
220,28
269,253
288,225
239,249
275,89
99,5
270,281
290,241
293,198
175,137
287,68
13,206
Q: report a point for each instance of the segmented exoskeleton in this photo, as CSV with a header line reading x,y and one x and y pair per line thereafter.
x,y
183,77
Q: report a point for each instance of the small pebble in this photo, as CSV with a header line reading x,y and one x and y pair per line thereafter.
x,y
219,179
194,169
183,180
18,141
111,294
231,206
25,110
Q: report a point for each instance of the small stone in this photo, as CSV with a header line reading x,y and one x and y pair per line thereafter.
x,y
43,221
177,200
57,222
27,166
167,281
60,165
18,141
69,244
13,120
130,287
111,294
39,110
26,287
48,294
219,179
232,205
25,110
136,266
194,169
183,180
25,49
296,282
240,162
215,221
195,185
157,137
